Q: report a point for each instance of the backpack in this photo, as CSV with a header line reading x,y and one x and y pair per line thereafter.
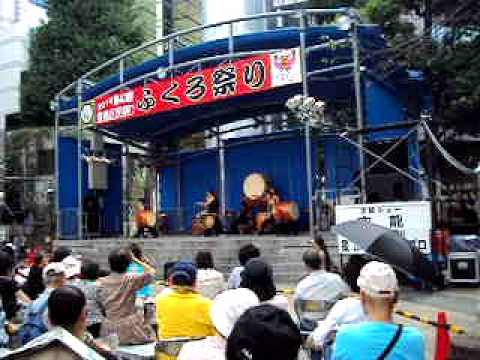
x,y
34,325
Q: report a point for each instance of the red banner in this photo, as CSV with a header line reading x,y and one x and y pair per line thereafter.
x,y
242,77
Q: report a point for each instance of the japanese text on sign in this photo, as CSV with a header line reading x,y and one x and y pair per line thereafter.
x,y
412,220
236,78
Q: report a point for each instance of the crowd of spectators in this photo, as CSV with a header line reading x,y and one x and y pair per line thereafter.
x,y
197,315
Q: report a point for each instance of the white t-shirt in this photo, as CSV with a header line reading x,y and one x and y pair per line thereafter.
x,y
210,282
235,278
345,311
321,285
279,301
210,348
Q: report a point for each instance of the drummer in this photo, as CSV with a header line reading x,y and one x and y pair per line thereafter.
x,y
272,199
211,207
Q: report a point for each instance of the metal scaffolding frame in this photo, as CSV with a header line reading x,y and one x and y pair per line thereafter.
x,y
119,63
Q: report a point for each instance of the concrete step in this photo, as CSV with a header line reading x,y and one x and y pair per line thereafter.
x,y
283,252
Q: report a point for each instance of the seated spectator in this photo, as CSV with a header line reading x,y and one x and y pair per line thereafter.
x,y
183,312
258,277
9,295
226,309
345,311
319,286
245,253
210,282
264,332
117,293
87,283
148,290
60,253
67,339
34,285
379,338
73,268
36,321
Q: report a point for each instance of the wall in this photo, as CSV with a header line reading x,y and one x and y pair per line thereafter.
x,y
280,157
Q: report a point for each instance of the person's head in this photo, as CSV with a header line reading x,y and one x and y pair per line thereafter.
x,y
183,273
54,275
248,252
264,332
204,260
38,260
67,308
258,277
378,287
351,271
6,264
228,306
136,250
212,193
89,271
119,259
312,259
60,253
73,267
9,248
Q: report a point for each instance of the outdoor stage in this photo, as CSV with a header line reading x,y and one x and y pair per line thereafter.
x,y
283,252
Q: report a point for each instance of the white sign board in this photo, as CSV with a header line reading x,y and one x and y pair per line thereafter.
x,y
412,220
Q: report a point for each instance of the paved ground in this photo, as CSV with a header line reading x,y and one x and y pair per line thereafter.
x,y
462,306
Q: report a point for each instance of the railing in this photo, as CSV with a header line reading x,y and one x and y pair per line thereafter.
x,y
118,64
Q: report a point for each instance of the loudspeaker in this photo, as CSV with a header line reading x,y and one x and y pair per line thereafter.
x,y
464,267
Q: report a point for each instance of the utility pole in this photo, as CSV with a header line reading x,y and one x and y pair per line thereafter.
x,y
359,107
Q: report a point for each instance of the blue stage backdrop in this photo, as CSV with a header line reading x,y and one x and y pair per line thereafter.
x,y
281,157
111,213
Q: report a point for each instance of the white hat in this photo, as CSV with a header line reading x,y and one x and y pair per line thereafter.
x,y
229,306
72,265
378,280
53,269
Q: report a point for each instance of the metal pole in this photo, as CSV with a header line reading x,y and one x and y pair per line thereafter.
x,y
56,174
126,190
359,103
308,145
221,158
79,161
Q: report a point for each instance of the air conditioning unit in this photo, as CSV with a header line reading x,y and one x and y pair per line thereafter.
x,y
464,267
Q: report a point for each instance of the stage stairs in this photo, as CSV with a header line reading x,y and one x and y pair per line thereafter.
x,y
283,252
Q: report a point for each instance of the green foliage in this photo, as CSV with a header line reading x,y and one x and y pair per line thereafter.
x,y
80,35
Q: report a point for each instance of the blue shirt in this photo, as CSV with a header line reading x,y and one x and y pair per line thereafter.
x,y
147,290
367,341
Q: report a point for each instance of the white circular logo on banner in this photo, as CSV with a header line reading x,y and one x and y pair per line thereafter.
x,y
87,114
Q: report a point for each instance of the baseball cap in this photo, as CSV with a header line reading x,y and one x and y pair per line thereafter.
x,y
228,306
264,332
378,279
72,265
183,271
258,276
53,269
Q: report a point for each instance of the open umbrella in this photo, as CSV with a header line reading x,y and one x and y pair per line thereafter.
x,y
388,246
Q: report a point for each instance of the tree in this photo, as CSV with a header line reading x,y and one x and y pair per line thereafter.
x,y
449,55
79,35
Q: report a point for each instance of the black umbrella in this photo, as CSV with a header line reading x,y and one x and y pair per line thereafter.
x,y
388,246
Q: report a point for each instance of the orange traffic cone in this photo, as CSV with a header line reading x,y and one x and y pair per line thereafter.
x,y
443,338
